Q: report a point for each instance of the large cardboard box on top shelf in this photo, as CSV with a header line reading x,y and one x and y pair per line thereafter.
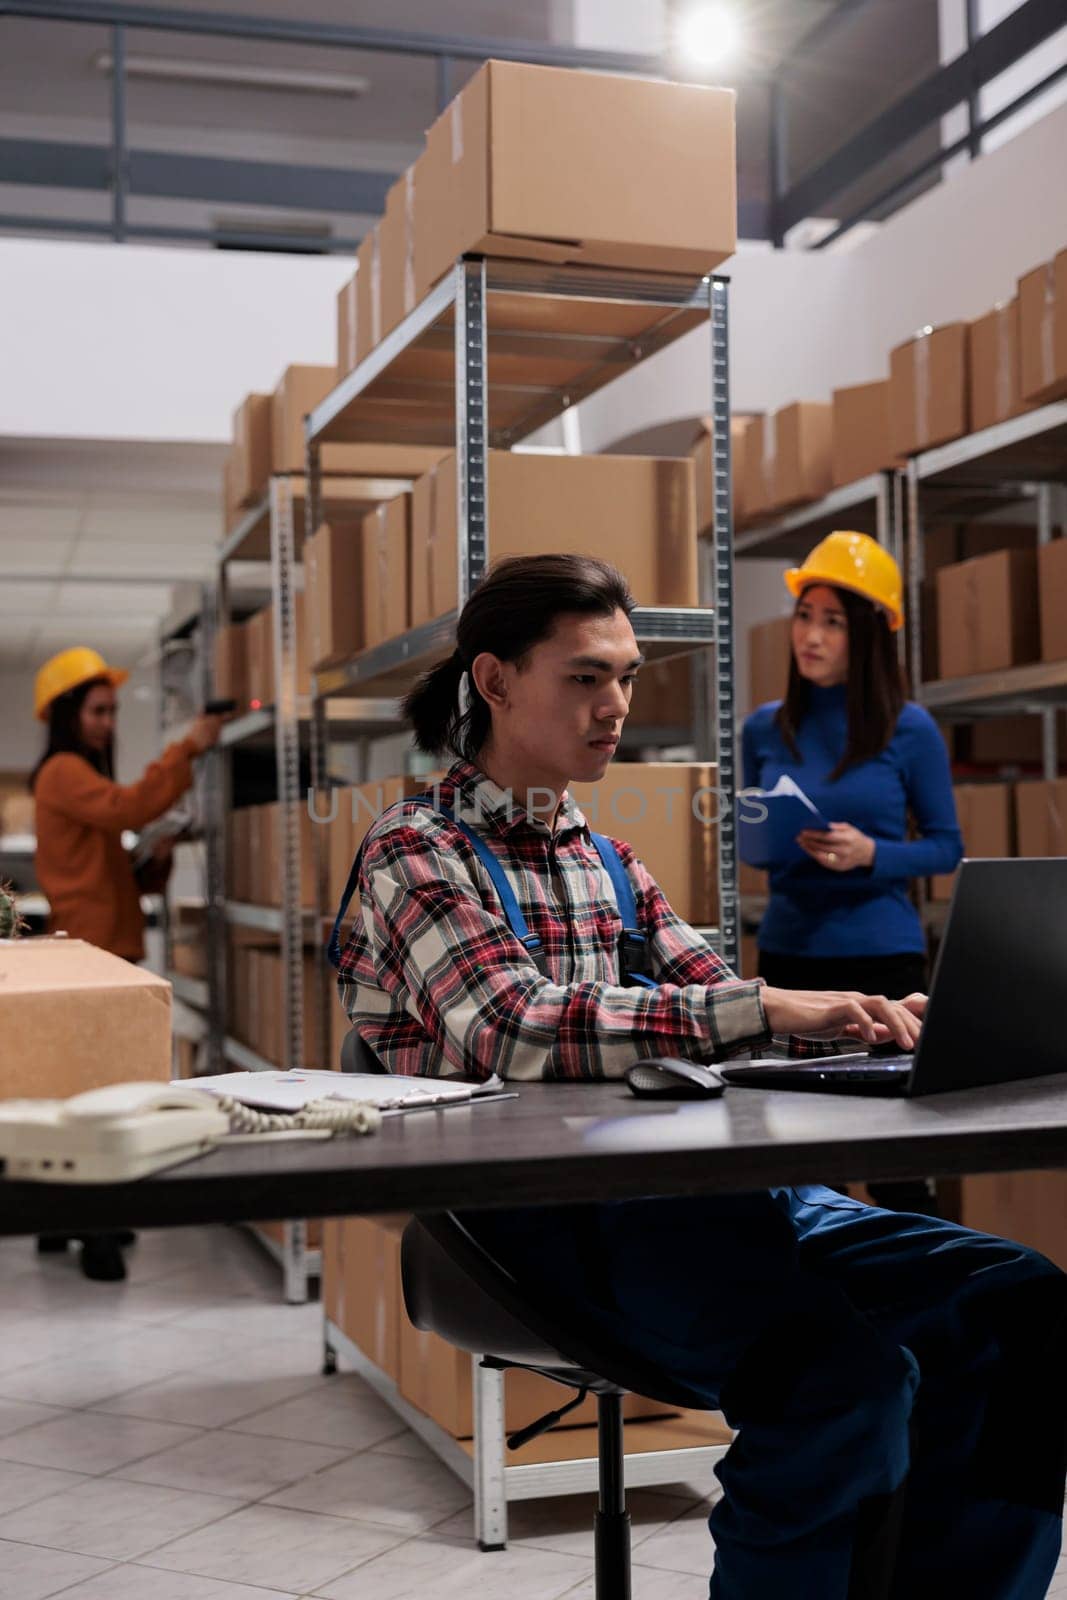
x,y
993,360
1041,818
667,810
386,582
1043,331
1052,596
638,512
787,458
770,651
987,613
565,166
985,817
928,395
859,433
396,244
76,1018
252,449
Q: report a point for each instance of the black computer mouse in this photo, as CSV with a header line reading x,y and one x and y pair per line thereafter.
x,y
670,1078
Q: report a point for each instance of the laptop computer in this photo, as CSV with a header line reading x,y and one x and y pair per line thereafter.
x,y
997,1009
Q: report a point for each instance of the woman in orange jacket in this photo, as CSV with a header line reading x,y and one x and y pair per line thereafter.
x,y
81,814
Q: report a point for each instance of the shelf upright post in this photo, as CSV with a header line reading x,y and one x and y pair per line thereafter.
x,y
320,785
914,539
723,601
287,752
218,807
1049,738
471,426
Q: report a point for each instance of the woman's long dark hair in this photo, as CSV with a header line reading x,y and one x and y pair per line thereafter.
x,y
514,608
875,692
64,731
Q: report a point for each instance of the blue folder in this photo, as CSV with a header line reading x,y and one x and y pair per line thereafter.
x,y
768,821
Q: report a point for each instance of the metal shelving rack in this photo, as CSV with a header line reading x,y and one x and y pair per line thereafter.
x,y
273,530
870,505
441,377
1023,459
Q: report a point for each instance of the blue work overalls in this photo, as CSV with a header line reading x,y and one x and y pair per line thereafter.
x,y
852,1349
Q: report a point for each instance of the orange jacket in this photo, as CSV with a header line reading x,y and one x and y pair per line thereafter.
x,y
81,864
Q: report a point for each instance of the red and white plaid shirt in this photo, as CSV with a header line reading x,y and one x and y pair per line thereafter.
x,y
436,982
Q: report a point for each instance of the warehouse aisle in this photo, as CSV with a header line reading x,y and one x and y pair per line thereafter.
x,y
172,1437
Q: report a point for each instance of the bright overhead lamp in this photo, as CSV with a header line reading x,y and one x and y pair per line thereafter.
x,y
709,35
177,69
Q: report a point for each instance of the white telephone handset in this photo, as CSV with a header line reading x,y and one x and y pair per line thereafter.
x,y
108,1135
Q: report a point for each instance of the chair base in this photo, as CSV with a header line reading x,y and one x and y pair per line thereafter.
x,y
611,1544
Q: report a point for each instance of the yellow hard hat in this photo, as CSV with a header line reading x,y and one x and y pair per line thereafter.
x,y
853,561
66,671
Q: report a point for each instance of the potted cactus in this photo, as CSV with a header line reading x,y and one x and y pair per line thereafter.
x,y
10,922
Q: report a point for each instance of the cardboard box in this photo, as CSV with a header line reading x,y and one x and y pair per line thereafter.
x,y
231,507
1002,741
270,852
987,613
231,663
638,512
649,173
770,653
300,390
982,538
252,449
17,813
1052,597
859,432
1043,331
368,332
1028,1207
802,472
361,1285
386,567
662,695
1041,818
259,657
928,390
348,355
748,966
984,811
667,810
333,580
396,245
993,358
700,454
76,1018
267,1002
238,854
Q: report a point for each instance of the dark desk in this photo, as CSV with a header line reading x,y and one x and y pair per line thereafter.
x,y
575,1142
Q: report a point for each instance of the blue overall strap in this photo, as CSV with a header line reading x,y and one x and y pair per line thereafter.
x,y
506,895
633,947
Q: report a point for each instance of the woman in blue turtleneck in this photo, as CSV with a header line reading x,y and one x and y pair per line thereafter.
x,y
873,763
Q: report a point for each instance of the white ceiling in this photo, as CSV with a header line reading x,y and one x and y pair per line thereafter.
x,y
93,535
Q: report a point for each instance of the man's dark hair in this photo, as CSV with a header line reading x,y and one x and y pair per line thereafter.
x,y
514,608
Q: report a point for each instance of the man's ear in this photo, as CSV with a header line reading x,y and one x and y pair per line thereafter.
x,y
490,679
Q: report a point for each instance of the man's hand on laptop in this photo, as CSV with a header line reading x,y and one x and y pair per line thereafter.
x,y
844,1014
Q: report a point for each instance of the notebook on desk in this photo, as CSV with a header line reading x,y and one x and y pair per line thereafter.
x,y
292,1091
995,1013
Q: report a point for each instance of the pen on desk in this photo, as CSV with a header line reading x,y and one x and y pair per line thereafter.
x,y
447,1105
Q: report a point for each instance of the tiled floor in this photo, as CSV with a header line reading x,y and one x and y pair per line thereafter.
x,y
172,1438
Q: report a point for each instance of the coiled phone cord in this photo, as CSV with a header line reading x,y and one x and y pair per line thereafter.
x,y
326,1116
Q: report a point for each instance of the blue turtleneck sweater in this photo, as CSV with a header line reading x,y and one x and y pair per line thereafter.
x,y
814,911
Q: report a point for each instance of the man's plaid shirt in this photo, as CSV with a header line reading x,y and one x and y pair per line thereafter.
x,y
435,981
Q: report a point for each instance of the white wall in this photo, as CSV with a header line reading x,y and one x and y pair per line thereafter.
x,y
138,342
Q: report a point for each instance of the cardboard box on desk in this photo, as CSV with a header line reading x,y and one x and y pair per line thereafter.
x,y
638,512
667,810
985,817
770,651
987,613
993,360
565,166
76,1018
1043,332
928,392
1041,817
386,571
252,449
859,432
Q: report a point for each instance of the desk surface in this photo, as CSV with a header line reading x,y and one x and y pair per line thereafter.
x,y
559,1142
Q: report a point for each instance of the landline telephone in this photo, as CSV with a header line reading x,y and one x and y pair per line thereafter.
x,y
127,1130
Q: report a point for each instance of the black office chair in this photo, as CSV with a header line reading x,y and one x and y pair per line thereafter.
x,y
454,1288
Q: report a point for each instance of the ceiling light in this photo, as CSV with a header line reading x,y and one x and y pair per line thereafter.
x,y
709,35
175,69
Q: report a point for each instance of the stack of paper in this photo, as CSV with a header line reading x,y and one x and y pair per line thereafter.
x,y
292,1091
